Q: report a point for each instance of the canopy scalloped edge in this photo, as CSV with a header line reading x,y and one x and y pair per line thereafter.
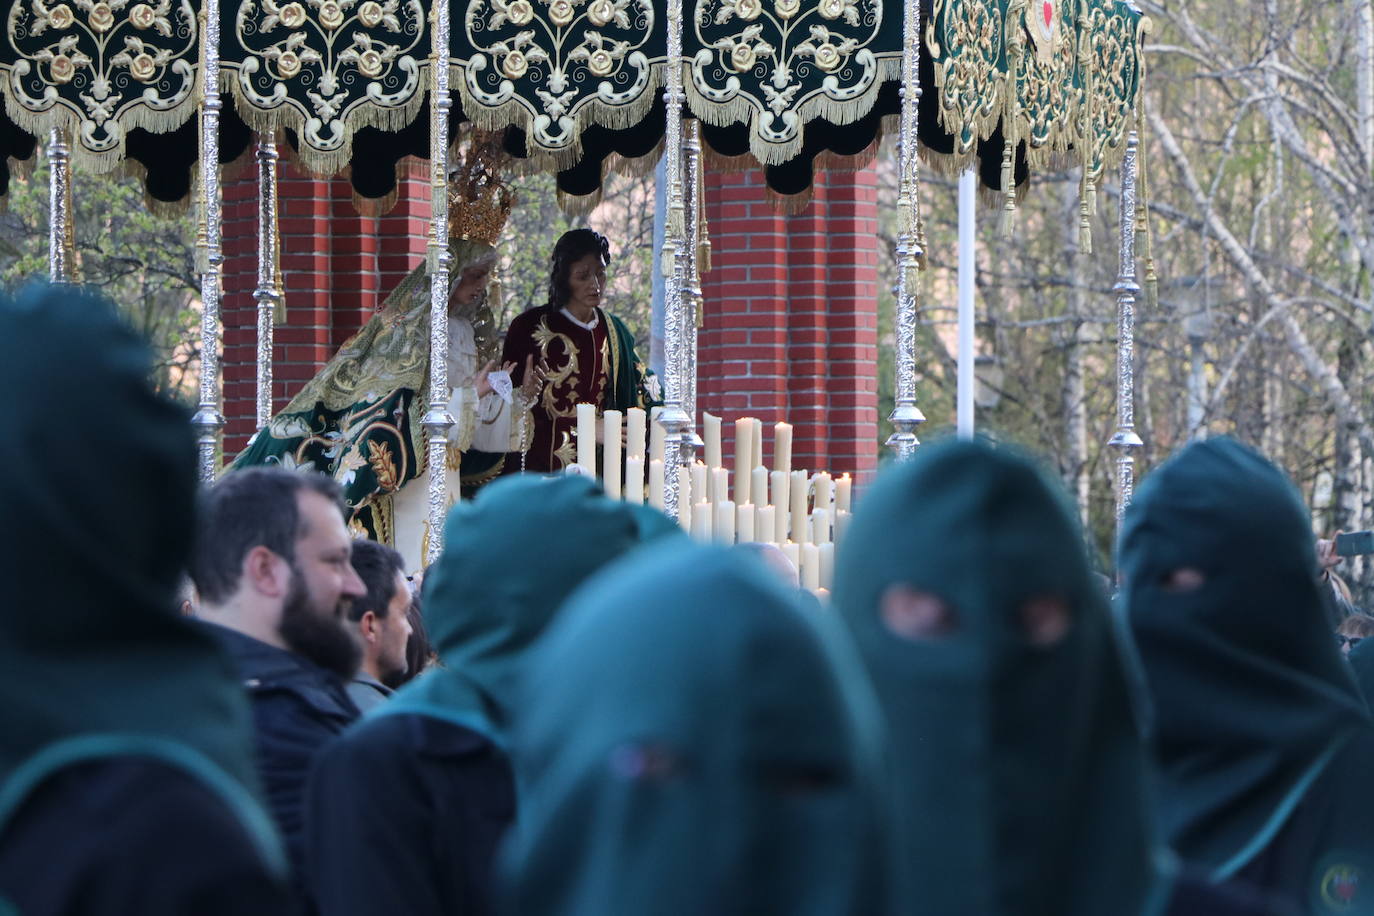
x,y
75,81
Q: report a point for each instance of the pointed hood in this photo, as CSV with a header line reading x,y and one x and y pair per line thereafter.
x,y
1020,780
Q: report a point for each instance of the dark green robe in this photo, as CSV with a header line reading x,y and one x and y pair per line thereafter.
x,y
1256,717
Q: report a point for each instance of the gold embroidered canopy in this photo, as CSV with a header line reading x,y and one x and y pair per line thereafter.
x,y
575,81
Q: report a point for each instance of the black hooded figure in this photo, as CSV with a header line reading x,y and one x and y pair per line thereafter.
x,y
126,782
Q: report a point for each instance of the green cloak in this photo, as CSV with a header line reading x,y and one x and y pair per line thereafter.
x,y
98,662
511,556
1251,699
1019,779
688,748
359,419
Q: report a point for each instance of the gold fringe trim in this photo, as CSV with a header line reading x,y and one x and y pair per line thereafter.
x,y
590,111
406,168
580,205
362,113
744,109
134,115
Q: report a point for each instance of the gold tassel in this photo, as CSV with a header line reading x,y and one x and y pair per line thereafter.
x,y
1085,228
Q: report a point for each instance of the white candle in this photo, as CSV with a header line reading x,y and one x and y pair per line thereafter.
x,y
841,524
701,521
684,500
657,435
725,522
634,432
810,567
793,553
799,484
758,490
758,445
744,523
656,484
826,556
824,491
634,479
720,485
744,458
782,448
710,433
586,437
820,527
765,524
844,495
699,491
778,492
610,472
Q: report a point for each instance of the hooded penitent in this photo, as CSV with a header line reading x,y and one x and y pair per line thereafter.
x,y
1018,776
98,662
511,556
687,748
1250,696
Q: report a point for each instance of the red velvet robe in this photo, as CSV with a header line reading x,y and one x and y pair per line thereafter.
x,y
580,367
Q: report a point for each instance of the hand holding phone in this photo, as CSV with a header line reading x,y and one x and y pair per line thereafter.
x,y
1354,543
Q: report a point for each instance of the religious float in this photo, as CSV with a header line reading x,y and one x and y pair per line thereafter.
x,y
174,89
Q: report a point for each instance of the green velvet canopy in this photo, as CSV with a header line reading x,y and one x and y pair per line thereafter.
x,y
577,82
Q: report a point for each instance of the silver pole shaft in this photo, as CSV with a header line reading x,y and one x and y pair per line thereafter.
x,y
59,207
268,293
208,419
906,416
1126,290
437,419
692,294
968,269
677,424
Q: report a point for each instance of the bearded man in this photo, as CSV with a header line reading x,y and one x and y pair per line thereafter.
x,y
272,565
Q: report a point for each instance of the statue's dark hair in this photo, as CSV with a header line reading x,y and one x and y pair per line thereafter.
x,y
573,246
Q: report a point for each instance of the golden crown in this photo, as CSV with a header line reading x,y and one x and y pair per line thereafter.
x,y
479,201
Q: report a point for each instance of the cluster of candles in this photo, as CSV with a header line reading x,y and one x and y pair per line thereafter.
x,y
804,514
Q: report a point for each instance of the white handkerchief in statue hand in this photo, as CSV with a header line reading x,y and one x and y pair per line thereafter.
x,y
500,382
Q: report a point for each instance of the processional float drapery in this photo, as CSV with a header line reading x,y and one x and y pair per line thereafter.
x,y
173,88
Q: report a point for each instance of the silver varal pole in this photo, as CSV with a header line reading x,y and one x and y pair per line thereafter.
x,y
59,207
692,294
676,422
906,416
438,420
268,292
208,420
1126,290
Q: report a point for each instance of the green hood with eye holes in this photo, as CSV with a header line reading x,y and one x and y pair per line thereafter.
x,y
1018,772
1250,696
691,747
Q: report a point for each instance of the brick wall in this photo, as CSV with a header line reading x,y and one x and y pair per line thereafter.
x,y
791,326
337,268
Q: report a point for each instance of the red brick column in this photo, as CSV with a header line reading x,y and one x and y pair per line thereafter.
x,y
791,317
337,269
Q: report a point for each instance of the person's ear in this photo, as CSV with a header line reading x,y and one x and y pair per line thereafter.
x,y
266,572
369,626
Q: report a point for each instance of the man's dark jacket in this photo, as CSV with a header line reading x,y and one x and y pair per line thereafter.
x,y
297,707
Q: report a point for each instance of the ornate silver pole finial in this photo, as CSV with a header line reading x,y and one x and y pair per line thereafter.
x,y
906,416
208,420
268,293
1126,290
60,253
676,422
437,420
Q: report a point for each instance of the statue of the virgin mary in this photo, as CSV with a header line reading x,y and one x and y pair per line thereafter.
x,y
359,419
